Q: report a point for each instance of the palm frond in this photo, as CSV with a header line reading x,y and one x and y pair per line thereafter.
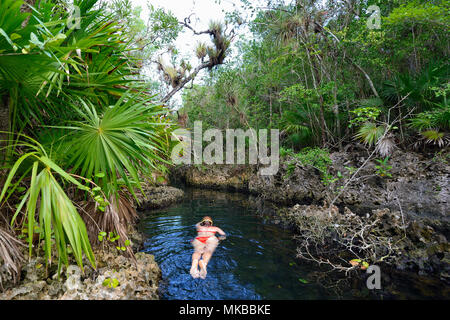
x,y
386,146
370,133
56,212
10,255
116,143
435,137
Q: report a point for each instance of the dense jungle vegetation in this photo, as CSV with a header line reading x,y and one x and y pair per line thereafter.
x,y
323,76
80,129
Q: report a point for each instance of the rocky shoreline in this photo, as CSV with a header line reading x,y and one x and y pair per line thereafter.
x,y
414,199
158,197
117,277
417,185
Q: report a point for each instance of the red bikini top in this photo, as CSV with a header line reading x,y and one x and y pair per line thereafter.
x,y
206,231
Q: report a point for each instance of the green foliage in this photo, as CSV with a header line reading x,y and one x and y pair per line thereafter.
x,y
431,119
439,117
370,111
419,12
58,216
200,50
315,157
75,91
314,85
113,238
115,143
285,152
303,280
370,133
419,88
383,168
434,137
291,165
328,179
110,282
164,26
101,235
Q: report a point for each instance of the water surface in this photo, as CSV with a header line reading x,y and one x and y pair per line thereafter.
x,y
256,261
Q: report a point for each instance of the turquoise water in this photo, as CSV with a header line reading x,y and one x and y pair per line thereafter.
x,y
257,260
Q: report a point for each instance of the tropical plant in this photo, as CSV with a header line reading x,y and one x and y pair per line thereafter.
x,y
11,255
383,168
434,137
433,125
370,133
112,147
75,87
438,118
370,110
315,157
56,212
200,50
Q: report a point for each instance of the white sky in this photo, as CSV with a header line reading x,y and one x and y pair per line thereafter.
x,y
205,11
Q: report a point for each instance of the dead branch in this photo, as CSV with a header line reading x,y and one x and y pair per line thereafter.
x,y
221,41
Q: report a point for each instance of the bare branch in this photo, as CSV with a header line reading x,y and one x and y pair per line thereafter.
x,y
217,55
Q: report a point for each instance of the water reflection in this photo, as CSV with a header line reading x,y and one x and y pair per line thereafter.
x,y
256,261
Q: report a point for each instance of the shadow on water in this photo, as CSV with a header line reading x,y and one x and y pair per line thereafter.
x,y
256,261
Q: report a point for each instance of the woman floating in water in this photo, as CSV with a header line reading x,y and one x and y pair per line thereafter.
x,y
204,245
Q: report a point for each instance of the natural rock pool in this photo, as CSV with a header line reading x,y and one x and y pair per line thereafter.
x,y
256,261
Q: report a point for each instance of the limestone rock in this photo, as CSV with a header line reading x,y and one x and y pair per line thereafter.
x,y
136,280
159,197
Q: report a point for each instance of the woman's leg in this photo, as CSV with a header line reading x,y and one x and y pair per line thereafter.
x,y
194,267
211,246
206,257
199,248
203,271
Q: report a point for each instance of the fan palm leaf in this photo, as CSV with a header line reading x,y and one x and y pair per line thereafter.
x,y
370,133
117,143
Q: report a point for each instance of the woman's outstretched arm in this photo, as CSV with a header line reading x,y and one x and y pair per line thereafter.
x,y
220,231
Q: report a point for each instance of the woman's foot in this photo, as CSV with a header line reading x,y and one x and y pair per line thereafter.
x,y
202,269
194,269
194,273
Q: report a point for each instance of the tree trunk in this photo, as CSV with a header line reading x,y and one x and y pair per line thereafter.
x,y
316,82
270,103
321,102
336,113
26,8
322,122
